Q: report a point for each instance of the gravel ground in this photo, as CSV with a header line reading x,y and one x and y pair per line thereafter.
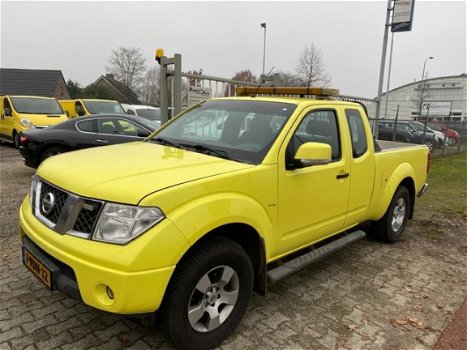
x,y
367,296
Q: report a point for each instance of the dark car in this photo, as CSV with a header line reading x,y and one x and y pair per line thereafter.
x,y
82,132
405,133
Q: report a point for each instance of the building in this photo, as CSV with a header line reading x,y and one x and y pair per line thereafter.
x,y
116,89
441,98
33,82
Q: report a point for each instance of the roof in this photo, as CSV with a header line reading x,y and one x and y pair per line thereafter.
x,y
36,82
427,81
120,88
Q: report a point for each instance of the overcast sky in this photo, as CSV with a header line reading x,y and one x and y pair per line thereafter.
x,y
223,38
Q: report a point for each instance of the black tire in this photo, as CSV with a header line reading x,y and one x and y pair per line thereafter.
x,y
52,151
16,139
391,226
199,284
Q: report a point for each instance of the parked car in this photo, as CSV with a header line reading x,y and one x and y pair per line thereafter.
x,y
405,132
439,136
450,133
80,107
78,133
148,112
19,113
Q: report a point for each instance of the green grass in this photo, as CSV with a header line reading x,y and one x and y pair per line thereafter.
x,y
447,189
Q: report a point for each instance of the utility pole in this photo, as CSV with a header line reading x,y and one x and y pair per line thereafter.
x,y
263,25
381,71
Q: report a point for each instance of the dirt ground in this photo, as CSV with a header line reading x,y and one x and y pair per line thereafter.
x,y
407,295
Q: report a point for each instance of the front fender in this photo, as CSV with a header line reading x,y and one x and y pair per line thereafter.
x,y
199,217
389,182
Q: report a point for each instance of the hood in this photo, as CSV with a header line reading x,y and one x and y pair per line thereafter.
x,y
42,120
127,172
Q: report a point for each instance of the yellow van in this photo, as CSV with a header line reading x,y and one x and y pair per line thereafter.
x,y
19,113
80,107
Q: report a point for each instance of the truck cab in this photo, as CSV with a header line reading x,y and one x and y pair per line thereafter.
x,y
82,107
19,113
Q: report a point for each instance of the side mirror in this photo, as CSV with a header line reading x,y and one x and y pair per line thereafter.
x,y
313,153
8,112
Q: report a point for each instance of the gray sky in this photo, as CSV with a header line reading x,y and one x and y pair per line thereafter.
x,y
223,38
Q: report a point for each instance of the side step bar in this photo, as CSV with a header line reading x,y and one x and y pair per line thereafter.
x,y
306,259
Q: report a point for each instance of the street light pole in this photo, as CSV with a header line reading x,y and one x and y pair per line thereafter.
x,y
423,88
263,25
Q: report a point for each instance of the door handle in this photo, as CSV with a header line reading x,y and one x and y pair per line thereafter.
x,y
342,176
102,141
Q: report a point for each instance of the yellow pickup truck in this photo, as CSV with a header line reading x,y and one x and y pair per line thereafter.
x,y
231,195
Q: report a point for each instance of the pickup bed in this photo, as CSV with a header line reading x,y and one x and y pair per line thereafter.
x,y
229,195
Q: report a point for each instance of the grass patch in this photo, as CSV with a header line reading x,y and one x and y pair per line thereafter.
x,y
447,192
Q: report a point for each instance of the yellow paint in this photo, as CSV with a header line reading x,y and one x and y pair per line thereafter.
x,y
289,209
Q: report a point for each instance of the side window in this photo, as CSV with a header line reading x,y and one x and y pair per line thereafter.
x,y
317,126
357,132
106,126
79,109
87,126
6,107
126,127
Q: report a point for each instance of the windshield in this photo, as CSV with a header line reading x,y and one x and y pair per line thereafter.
x,y
149,113
417,126
238,130
30,105
95,107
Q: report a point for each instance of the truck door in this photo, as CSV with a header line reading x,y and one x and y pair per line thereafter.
x,y
312,201
362,173
6,122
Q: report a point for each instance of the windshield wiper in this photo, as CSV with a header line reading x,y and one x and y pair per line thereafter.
x,y
164,142
208,150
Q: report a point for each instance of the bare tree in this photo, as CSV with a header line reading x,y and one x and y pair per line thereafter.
x,y
288,79
128,66
310,67
150,91
244,75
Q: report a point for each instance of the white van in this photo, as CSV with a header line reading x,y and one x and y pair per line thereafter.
x,y
147,112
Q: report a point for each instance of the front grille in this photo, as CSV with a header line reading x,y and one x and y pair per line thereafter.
x,y
87,217
60,198
65,212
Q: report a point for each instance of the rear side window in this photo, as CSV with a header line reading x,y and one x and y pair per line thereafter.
x,y
357,132
87,126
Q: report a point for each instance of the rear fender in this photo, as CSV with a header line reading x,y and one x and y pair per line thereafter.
x,y
389,184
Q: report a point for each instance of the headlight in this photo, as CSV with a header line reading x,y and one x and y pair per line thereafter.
x,y
32,193
120,223
27,123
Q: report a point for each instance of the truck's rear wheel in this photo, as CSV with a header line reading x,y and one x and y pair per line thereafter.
x,y
391,226
208,295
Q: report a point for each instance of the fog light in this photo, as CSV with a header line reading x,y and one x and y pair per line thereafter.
x,y
110,293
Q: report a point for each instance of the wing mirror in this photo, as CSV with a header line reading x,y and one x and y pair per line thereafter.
x,y
313,153
7,111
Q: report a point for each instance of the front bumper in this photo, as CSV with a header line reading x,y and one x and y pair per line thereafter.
x,y
137,286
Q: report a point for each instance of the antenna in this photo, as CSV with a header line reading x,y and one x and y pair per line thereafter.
x,y
262,82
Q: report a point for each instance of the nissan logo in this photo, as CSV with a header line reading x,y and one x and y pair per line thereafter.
x,y
48,203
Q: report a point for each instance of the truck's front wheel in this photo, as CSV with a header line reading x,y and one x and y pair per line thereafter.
x,y
391,226
208,295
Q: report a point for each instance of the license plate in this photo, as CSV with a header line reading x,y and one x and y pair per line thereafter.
x,y
37,268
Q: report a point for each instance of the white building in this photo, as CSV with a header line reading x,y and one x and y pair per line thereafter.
x,y
444,99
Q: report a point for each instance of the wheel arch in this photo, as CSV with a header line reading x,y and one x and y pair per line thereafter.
x,y
249,239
